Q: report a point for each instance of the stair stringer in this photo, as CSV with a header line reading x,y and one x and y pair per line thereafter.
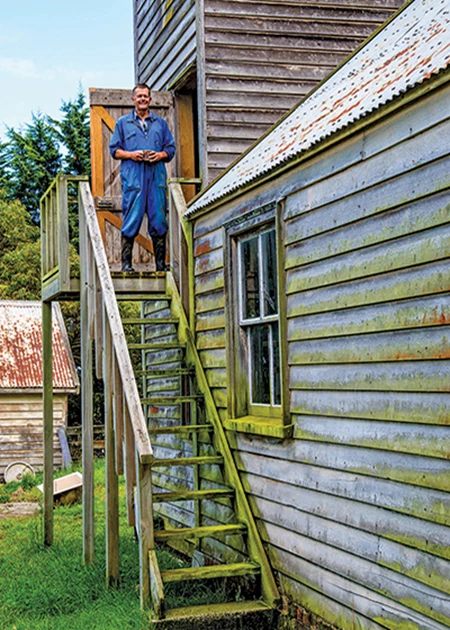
x,y
255,547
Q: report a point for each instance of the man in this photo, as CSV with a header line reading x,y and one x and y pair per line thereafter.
x,y
143,142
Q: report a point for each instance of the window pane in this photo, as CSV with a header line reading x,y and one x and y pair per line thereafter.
x,y
250,269
260,364
276,366
269,255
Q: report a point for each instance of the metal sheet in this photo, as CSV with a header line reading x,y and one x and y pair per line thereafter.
x,y
412,47
21,349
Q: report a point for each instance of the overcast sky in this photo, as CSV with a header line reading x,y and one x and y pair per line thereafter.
x,y
48,47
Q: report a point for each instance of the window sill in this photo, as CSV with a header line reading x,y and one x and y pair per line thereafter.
x,y
256,425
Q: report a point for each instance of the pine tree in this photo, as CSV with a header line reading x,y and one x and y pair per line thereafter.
x,y
34,161
74,134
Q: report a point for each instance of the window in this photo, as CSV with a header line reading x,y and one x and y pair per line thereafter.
x,y
257,373
258,320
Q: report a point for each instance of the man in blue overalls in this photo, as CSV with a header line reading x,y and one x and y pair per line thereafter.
x,y
143,142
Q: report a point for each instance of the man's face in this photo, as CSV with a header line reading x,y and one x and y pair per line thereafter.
x,y
141,100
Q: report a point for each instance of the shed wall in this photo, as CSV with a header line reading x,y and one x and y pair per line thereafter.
x,y
261,58
21,429
355,508
165,45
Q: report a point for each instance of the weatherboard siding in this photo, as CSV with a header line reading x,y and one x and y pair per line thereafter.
x,y
21,429
261,58
165,40
355,508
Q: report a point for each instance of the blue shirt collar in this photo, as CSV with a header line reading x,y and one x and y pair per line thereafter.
x,y
151,116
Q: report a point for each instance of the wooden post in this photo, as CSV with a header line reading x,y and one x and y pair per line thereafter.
x,y
130,465
86,397
47,404
145,528
111,481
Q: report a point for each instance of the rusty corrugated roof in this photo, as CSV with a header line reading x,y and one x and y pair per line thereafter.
x,y
21,348
412,47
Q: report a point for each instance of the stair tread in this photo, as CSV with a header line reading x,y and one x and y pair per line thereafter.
x,y
170,400
149,320
163,345
184,428
180,461
162,373
212,571
141,297
215,610
200,532
192,495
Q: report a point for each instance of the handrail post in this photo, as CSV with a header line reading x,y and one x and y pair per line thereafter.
x,y
111,480
145,527
86,396
47,403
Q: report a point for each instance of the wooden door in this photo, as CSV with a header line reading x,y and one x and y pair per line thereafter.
x,y
106,106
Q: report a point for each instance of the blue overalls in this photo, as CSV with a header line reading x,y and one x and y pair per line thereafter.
x,y
143,183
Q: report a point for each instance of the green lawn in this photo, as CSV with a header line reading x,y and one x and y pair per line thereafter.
x,y
49,589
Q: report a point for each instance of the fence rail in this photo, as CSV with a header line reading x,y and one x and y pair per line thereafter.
x,y
57,279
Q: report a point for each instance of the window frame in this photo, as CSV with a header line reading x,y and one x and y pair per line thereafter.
x,y
236,231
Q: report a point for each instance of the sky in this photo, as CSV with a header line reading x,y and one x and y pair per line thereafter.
x,y
49,47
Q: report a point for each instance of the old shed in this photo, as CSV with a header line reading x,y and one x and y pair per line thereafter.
x,y
322,310
21,424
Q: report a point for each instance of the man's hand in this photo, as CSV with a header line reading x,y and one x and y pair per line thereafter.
x,y
156,156
136,156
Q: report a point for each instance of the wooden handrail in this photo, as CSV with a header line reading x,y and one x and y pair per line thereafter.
x,y
143,444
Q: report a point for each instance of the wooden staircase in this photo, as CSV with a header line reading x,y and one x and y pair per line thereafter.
x,y
194,477
165,437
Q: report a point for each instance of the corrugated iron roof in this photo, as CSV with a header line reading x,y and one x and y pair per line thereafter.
x,y
412,47
21,348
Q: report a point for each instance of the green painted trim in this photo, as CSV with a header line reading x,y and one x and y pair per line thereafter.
x,y
260,426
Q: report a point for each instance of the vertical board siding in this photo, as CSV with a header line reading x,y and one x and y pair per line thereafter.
x,y
261,58
21,429
165,40
355,508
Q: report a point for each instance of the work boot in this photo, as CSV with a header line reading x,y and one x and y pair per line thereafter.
x,y
159,248
127,252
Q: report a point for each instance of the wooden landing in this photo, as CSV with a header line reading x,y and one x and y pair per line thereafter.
x,y
246,615
139,282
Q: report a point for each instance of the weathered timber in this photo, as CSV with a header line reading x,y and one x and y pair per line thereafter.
x,y
200,532
210,572
198,495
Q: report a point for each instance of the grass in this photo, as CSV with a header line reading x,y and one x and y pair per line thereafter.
x,y
49,589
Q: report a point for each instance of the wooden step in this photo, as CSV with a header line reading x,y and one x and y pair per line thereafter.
x,y
165,373
148,320
185,428
142,297
210,572
245,615
188,461
167,535
165,345
192,495
171,400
